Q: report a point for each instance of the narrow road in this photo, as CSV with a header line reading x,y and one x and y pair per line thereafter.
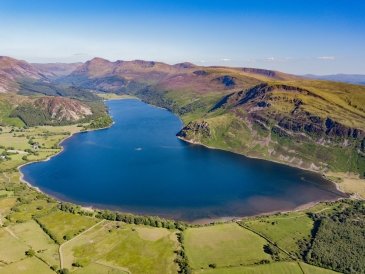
x,y
62,245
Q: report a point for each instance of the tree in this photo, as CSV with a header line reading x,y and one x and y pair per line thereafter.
x,y
30,253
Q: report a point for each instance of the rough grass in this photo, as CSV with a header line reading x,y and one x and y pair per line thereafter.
x,y
63,225
11,249
349,183
32,235
6,204
120,245
47,137
5,111
272,268
223,245
27,266
25,212
99,269
285,230
309,269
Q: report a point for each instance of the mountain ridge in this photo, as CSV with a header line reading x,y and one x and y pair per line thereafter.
x,y
312,124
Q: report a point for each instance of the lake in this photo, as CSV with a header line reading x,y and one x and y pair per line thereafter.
x,y
138,165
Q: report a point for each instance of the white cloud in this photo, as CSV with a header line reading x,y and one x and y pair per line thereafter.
x,y
326,58
269,59
226,59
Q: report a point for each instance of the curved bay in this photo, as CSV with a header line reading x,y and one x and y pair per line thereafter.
x,y
139,166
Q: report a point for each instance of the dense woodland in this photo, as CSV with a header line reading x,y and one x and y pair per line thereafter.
x,y
338,241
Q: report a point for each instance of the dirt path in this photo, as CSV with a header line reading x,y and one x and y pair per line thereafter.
x,y
62,245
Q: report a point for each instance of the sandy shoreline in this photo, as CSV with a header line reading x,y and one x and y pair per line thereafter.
x,y
198,221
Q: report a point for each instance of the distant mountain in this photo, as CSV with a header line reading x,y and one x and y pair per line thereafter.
x,y
123,76
13,70
312,124
357,79
56,69
19,79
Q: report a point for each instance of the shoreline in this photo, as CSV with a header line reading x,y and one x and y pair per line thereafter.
x,y
21,177
198,221
323,174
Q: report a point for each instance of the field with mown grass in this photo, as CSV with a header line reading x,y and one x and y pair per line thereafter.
x,y
223,245
63,226
134,249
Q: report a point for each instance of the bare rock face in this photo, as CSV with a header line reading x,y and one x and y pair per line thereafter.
x,y
195,129
63,109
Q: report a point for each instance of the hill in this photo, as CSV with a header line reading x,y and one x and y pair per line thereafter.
x,y
29,96
57,69
312,124
357,79
12,70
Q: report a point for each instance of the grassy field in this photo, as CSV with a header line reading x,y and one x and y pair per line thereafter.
x,y
11,249
125,247
64,226
272,268
5,111
27,266
100,269
285,230
223,245
113,96
17,142
33,236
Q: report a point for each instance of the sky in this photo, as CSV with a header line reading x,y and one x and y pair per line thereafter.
x,y
300,37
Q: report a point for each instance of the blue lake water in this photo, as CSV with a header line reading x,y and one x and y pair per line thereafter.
x,y
138,165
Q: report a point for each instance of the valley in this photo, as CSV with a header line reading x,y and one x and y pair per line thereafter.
x,y
316,125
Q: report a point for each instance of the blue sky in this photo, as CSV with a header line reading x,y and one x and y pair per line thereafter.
x,y
321,36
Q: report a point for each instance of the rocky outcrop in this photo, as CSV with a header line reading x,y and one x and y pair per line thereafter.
x,y
63,109
195,130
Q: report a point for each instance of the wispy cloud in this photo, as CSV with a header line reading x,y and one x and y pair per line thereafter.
x,y
269,59
326,57
225,59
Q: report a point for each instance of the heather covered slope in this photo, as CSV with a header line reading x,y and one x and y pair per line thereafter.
x,y
12,71
311,124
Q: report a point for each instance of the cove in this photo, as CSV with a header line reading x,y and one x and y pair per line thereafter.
x,y
138,165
